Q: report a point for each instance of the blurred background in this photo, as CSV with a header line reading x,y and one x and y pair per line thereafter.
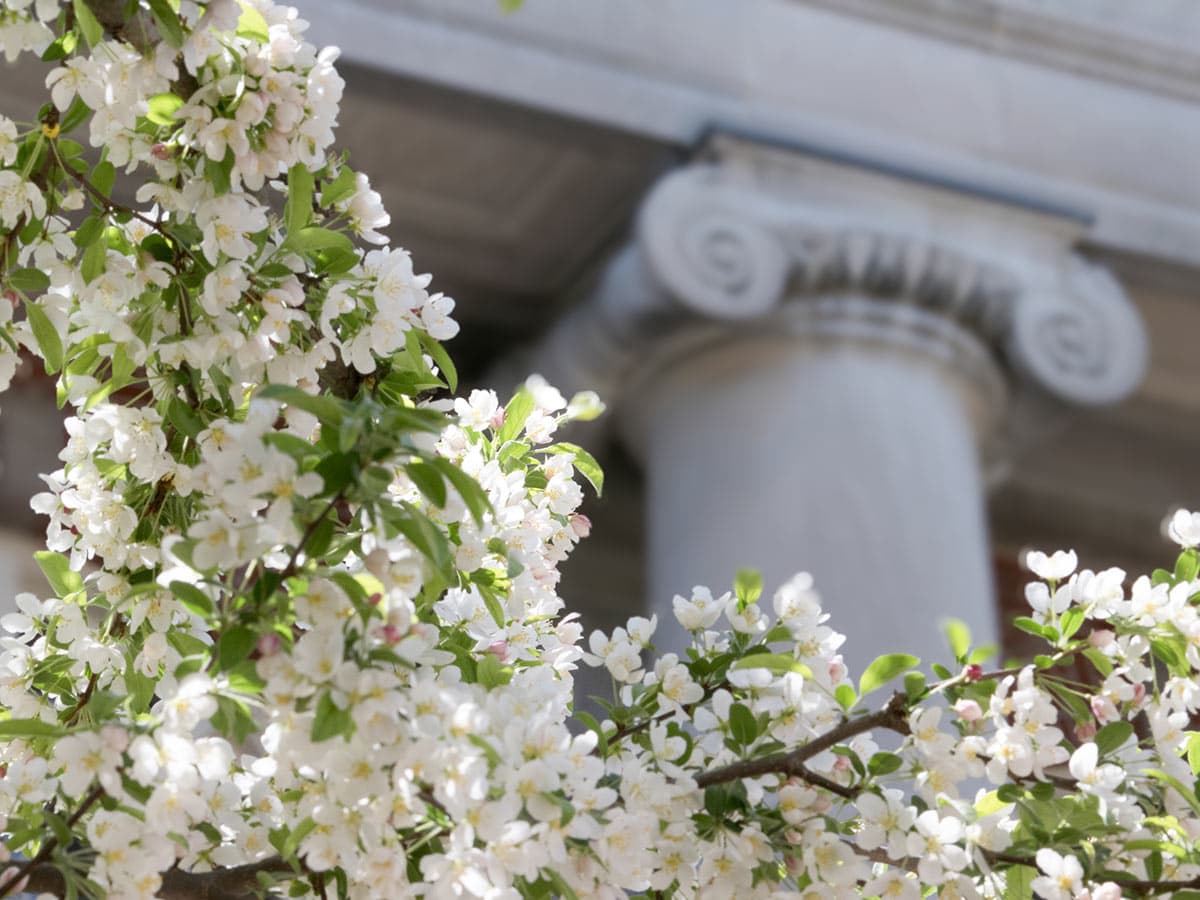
x,y
890,290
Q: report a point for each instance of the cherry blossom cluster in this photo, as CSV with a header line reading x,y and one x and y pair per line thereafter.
x,y
303,634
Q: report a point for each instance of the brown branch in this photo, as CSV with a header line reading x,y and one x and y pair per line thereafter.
x,y
49,845
77,709
138,30
893,717
237,883
112,206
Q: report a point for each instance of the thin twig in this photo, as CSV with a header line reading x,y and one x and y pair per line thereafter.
x,y
893,717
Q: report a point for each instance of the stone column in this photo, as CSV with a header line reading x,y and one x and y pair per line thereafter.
x,y
811,358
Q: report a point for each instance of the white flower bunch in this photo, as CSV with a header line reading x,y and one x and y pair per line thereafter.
x,y
303,635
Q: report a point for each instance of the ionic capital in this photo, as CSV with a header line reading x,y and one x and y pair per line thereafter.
x,y
758,239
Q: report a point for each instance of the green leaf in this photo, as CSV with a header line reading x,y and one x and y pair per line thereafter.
x,y
1112,736
252,25
61,48
958,636
584,463
1009,793
192,597
220,174
742,724
29,728
428,479
468,488
95,260
104,176
57,569
444,363
989,803
341,187
747,586
89,231
1018,883
845,696
28,281
75,114
315,239
295,837
515,414
1187,566
1070,622
491,672
983,653
883,669
234,646
162,108
424,535
184,418
297,211
775,663
1031,626
492,602
93,31
914,686
1102,663
48,340
330,720
601,738
168,22
1179,787
884,763
328,410
1043,791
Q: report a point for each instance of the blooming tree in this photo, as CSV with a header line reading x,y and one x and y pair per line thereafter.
x,y
303,637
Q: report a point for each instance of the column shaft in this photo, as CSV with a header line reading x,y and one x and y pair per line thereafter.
x,y
851,459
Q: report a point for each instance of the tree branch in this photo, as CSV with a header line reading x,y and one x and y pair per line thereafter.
x,y
237,883
893,717
49,845
138,30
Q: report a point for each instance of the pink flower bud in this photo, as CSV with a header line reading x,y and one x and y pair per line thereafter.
x,y
499,649
1085,731
581,525
1102,637
1139,694
823,804
391,634
375,599
1104,710
497,419
972,672
841,764
160,151
269,644
837,669
968,710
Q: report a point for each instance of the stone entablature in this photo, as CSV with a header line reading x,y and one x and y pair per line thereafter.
x,y
1045,97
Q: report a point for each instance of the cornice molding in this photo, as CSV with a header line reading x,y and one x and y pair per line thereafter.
x,y
1069,43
